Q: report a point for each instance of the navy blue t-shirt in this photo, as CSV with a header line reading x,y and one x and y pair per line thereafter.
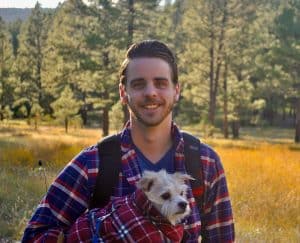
x,y
166,162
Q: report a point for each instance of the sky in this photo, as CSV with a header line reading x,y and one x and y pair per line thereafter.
x,y
28,3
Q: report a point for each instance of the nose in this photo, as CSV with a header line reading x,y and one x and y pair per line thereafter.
x,y
182,205
150,89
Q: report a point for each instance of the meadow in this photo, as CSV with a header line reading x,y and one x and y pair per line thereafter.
x,y
262,171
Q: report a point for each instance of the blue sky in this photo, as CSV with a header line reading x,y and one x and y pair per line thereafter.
x,y
28,3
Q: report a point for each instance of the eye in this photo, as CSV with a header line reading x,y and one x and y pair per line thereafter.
x,y
161,83
181,193
165,196
137,84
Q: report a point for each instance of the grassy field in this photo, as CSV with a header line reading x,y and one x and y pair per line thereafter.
x,y
262,172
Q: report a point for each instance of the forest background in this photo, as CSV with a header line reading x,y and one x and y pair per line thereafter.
x,y
238,61
239,65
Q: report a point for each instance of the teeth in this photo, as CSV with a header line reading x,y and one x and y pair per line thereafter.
x,y
151,106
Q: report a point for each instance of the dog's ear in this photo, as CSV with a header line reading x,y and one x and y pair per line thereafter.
x,y
183,177
146,182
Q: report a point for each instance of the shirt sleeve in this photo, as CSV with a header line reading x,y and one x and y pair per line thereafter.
x,y
65,200
216,214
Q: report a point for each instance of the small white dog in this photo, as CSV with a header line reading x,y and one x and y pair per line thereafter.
x,y
150,214
167,192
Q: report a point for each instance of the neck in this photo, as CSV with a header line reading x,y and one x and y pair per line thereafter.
x,y
154,141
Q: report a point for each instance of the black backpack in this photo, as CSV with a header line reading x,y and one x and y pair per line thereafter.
x,y
110,153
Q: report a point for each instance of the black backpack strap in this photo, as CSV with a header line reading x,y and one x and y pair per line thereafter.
x,y
193,165
109,152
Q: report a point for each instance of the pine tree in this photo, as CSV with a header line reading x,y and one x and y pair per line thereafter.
x,y
28,66
66,107
204,23
67,56
105,40
6,61
287,54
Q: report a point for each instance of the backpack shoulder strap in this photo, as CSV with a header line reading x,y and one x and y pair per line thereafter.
x,y
109,152
110,166
194,166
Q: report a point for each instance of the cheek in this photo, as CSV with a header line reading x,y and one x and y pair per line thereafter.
x,y
133,98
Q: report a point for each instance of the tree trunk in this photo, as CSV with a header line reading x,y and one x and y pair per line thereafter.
x,y
105,122
130,31
1,78
66,124
283,115
297,121
83,115
211,113
225,104
35,122
235,126
215,70
105,114
1,113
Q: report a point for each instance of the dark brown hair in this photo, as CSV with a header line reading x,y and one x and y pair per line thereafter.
x,y
149,48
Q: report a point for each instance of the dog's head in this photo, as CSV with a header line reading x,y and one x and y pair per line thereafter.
x,y
167,192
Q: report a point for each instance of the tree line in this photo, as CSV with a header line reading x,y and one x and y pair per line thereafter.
x,y
239,61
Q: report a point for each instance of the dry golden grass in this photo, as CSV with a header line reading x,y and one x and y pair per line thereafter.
x,y
263,179
264,184
20,144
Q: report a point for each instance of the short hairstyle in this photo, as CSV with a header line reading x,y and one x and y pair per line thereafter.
x,y
149,48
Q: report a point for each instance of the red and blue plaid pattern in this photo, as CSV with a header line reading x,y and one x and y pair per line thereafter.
x,y
69,194
128,219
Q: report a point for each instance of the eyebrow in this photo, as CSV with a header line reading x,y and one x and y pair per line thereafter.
x,y
160,78
142,79
136,79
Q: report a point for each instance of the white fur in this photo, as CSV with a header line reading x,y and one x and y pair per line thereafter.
x,y
159,185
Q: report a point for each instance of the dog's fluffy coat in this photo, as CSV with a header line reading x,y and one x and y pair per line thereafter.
x,y
150,214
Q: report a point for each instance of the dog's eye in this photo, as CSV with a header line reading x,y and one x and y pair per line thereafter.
x,y
166,196
182,193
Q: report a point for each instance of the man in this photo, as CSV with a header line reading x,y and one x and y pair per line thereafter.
x,y
151,140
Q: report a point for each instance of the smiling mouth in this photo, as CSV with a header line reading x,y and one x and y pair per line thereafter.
x,y
150,107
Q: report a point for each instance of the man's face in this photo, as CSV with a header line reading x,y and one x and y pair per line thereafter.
x,y
149,91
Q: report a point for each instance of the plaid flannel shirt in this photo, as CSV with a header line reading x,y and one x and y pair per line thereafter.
x,y
127,219
68,196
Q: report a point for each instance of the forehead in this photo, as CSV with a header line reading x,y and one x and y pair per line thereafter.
x,y
148,66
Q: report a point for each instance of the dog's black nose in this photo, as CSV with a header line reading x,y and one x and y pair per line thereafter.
x,y
182,205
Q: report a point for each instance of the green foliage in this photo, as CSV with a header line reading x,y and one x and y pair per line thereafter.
x,y
65,106
116,117
231,54
286,51
6,62
29,61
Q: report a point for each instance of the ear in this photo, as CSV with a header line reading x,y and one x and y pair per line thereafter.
x,y
123,94
147,181
183,177
145,184
177,92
